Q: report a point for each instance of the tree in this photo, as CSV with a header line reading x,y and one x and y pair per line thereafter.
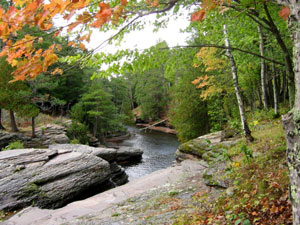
x,y
291,120
97,111
245,126
11,94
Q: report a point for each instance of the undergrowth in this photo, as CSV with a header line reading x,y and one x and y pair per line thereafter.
x,y
259,183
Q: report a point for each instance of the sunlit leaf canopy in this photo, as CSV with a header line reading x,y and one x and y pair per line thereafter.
x,y
29,61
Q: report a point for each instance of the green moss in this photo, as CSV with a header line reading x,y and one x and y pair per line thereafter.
x,y
197,147
116,214
31,189
173,193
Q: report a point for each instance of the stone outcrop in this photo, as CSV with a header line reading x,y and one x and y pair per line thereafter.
x,y
45,136
210,149
122,154
50,178
51,134
7,137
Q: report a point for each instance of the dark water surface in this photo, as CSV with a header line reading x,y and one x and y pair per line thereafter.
x,y
159,149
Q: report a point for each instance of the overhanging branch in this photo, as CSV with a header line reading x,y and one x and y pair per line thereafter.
x,y
224,47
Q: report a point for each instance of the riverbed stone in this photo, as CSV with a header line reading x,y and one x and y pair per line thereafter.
x,y
47,178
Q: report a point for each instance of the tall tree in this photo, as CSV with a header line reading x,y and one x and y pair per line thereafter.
x,y
245,126
292,120
263,67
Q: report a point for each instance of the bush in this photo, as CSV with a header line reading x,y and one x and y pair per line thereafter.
x,y
79,132
14,145
74,141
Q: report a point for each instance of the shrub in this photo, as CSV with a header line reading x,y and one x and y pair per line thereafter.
x,y
14,145
75,141
79,132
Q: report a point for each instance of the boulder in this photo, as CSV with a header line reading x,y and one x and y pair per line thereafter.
x,y
109,154
48,178
210,149
214,176
51,134
125,153
205,147
118,175
6,138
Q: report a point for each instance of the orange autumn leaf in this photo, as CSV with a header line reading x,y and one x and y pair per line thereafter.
x,y
71,43
124,2
198,16
57,71
82,46
103,15
285,12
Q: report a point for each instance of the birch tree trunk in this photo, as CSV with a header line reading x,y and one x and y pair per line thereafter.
x,y
291,120
275,91
262,68
247,132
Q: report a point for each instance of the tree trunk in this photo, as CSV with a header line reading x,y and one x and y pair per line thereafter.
x,y
33,127
95,127
1,126
287,57
291,121
259,98
275,91
13,124
283,87
247,132
262,68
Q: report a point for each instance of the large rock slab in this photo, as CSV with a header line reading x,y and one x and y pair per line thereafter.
x,y
100,208
47,177
109,154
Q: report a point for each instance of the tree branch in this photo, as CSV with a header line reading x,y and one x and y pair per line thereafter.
x,y
169,6
232,48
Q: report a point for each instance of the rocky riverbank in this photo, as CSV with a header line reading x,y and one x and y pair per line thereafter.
x,y
51,178
157,198
143,201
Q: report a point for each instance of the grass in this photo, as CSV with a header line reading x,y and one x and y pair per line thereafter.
x,y
24,124
259,184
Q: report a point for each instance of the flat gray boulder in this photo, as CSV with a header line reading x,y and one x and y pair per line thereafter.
x,y
48,178
109,154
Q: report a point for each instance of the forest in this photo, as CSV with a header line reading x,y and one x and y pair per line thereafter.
x,y
238,69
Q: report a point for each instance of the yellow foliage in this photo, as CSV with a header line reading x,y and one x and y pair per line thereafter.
x,y
207,57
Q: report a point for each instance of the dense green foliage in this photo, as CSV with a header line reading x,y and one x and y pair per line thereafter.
x,y
191,87
97,110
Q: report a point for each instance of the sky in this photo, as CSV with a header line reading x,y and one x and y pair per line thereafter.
x,y
145,38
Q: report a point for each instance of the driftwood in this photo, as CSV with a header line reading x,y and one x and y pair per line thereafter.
x,y
153,127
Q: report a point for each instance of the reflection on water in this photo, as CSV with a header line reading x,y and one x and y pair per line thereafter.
x,y
159,149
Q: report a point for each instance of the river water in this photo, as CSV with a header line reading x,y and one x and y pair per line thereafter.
x,y
159,149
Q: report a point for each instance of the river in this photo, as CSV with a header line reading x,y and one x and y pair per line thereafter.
x,y
159,149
